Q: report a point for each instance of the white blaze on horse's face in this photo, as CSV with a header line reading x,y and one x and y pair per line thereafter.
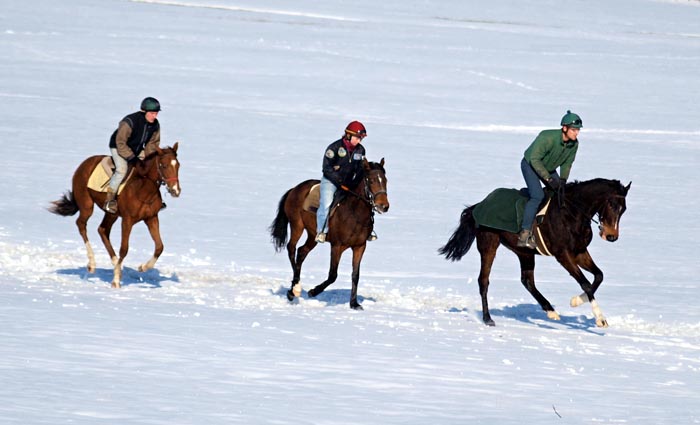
x,y
175,189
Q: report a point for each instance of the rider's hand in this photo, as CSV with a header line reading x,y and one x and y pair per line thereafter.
x,y
555,183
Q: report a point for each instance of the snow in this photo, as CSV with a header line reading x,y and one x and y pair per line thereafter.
x,y
451,93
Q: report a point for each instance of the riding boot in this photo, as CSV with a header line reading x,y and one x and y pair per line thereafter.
x,y
372,236
111,202
525,239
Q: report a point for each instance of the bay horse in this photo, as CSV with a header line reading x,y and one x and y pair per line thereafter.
x,y
140,200
348,227
567,231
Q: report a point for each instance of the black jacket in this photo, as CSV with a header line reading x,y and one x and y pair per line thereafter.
x,y
133,134
342,167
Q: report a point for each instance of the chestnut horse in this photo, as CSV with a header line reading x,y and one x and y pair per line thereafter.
x,y
139,200
348,227
567,232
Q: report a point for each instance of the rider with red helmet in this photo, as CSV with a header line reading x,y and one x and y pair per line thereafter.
x,y
342,169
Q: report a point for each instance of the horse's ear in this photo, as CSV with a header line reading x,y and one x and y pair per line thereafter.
x,y
382,162
175,146
627,188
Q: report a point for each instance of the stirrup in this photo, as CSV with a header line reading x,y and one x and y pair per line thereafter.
x,y
372,236
321,237
111,206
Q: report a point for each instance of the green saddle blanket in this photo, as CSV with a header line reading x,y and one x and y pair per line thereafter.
x,y
501,209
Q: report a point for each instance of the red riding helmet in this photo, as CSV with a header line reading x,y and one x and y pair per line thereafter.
x,y
357,129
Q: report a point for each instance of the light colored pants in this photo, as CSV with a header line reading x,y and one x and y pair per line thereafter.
x,y
327,194
120,172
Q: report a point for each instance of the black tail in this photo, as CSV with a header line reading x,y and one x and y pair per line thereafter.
x,y
65,206
278,228
463,237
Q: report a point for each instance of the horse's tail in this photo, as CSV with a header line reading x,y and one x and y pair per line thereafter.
x,y
462,238
278,228
65,206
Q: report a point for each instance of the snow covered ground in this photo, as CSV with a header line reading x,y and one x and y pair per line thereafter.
x,y
451,93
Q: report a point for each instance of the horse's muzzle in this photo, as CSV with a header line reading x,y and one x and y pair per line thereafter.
x,y
381,208
607,235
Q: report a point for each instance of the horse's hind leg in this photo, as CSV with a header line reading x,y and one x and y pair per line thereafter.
x,y
297,256
81,222
154,230
104,231
527,277
487,244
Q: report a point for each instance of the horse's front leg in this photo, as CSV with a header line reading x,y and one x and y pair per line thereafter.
x,y
357,253
154,229
586,262
336,252
570,265
127,224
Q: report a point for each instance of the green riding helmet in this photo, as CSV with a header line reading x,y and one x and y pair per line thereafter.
x,y
571,120
150,104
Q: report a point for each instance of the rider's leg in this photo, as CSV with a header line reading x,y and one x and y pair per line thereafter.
x,y
326,199
534,188
121,167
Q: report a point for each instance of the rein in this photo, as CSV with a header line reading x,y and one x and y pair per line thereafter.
x,y
369,196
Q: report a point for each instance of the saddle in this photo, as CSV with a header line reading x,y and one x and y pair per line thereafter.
x,y
99,179
503,209
313,201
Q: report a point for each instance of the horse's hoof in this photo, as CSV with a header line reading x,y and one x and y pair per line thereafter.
x,y
553,315
142,268
489,322
312,293
116,285
90,269
357,307
296,289
290,295
601,323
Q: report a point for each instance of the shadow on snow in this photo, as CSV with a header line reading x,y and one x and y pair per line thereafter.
x,y
149,279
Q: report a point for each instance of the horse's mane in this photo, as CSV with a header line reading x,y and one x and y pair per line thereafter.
x,y
167,149
613,186
376,166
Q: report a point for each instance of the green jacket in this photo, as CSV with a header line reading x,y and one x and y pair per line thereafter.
x,y
549,151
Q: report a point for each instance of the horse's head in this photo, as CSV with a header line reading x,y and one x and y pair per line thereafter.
x,y
169,168
375,185
611,210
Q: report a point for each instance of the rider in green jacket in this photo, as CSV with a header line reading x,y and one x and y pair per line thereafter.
x,y
551,149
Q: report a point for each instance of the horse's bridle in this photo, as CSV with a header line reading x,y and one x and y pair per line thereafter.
x,y
369,195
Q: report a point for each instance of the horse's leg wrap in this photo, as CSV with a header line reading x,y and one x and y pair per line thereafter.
x,y
296,289
148,265
600,320
116,282
91,258
579,300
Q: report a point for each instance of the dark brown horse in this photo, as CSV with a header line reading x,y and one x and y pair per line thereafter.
x,y
567,232
348,227
139,200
